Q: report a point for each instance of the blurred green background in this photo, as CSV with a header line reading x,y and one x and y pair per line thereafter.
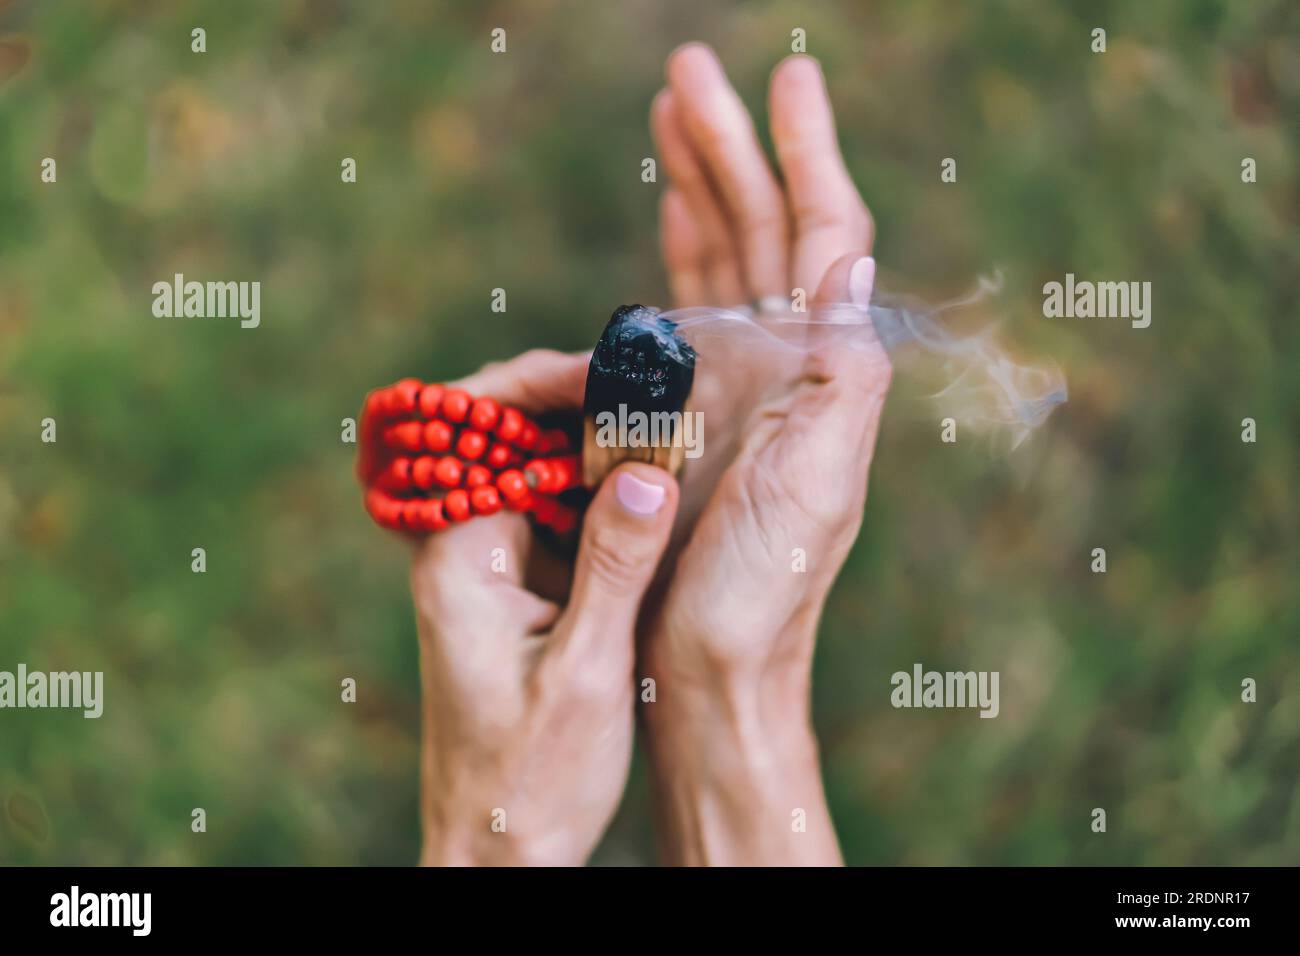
x,y
522,171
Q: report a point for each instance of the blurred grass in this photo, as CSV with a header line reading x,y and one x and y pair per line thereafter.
x,y
522,171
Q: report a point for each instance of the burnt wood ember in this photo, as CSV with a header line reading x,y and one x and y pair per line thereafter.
x,y
640,368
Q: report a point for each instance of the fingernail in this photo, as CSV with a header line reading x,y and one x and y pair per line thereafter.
x,y
861,279
637,496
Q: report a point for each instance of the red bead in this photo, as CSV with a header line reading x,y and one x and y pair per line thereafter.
x,y
430,399
471,444
538,475
438,435
485,500
560,474
386,402
411,518
498,456
455,405
406,394
484,413
447,471
434,519
528,436
405,436
383,508
476,475
422,472
553,441
423,515
511,424
371,414
456,505
512,485
397,476
544,508
564,519
554,515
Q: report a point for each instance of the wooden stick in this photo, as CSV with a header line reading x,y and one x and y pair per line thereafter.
x,y
599,460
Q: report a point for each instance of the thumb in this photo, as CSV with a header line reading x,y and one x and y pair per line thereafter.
x,y
624,535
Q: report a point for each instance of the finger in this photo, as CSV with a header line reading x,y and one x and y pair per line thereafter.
x,y
721,261
466,580
540,380
824,447
683,251
490,624
722,133
830,218
855,372
850,278
488,549
624,535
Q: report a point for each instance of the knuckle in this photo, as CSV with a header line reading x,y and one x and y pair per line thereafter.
x,y
583,681
812,218
762,218
713,131
539,356
599,686
613,558
867,226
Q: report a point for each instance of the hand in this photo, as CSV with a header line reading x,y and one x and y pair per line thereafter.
x,y
731,233
527,706
731,642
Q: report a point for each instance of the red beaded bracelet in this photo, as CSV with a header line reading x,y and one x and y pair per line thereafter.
x,y
431,456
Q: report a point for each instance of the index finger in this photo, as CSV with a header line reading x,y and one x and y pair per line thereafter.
x,y
830,218
541,380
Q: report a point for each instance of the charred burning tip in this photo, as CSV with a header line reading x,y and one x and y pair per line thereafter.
x,y
640,362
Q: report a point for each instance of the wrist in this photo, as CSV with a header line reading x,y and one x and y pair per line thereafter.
x,y
459,846
462,825
749,691
750,717
737,772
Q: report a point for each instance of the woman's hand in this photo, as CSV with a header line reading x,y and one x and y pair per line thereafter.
x,y
528,706
730,645
731,232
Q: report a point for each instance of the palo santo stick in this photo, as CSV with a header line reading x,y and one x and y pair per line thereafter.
x,y
638,388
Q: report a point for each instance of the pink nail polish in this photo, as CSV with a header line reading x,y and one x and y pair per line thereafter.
x,y
862,277
637,496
